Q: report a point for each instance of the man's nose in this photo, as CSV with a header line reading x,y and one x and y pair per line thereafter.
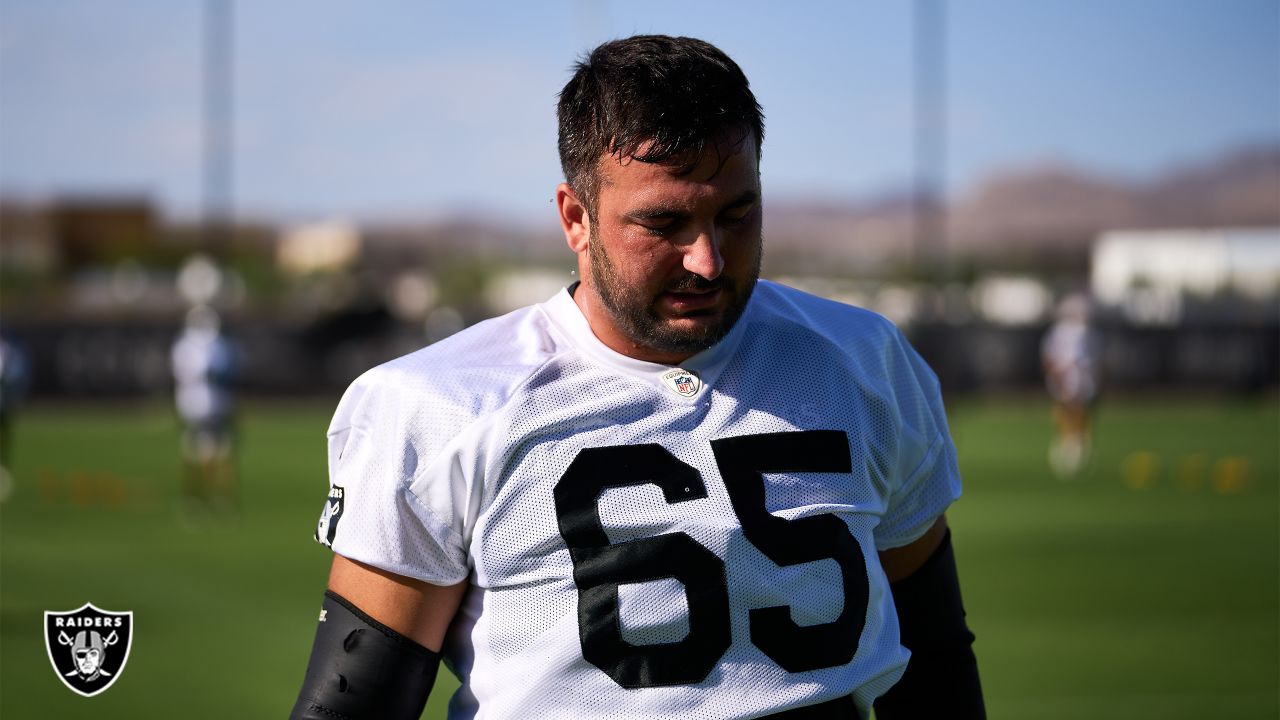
x,y
702,256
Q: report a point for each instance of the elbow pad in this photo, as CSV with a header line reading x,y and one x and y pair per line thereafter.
x,y
941,680
360,668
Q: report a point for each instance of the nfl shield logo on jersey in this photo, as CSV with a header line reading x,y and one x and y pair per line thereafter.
x,y
88,647
327,528
685,383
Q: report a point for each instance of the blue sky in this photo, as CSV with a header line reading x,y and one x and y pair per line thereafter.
x,y
414,109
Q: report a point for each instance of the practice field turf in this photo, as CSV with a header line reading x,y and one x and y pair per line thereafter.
x,y
1147,588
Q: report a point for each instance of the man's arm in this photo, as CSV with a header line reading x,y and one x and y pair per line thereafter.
x,y
377,647
901,562
416,609
941,680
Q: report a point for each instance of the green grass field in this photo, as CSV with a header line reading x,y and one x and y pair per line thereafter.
x,y
1148,588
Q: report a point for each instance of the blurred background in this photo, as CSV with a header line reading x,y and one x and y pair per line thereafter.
x,y
324,186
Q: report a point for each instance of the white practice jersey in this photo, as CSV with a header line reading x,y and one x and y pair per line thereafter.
x,y
1070,354
645,541
203,367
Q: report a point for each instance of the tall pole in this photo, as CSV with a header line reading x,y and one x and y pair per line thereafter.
x,y
929,221
218,140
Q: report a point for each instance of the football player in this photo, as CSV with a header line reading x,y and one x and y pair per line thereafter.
x,y
670,490
14,377
205,363
1070,356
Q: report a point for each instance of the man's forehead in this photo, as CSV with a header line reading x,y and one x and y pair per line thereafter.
x,y
698,165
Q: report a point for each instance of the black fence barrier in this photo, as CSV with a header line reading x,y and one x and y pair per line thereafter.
x,y
130,358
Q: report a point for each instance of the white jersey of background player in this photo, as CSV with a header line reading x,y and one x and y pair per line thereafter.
x,y
668,491
204,366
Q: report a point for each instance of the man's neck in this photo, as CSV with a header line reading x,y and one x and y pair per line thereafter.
x,y
607,333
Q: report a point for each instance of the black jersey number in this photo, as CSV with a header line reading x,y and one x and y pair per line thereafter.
x,y
599,567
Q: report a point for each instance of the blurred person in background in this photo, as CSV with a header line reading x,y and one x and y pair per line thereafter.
x,y
205,364
1069,355
14,378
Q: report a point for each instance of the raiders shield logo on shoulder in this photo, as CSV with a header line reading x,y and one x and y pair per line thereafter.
x,y
88,646
327,528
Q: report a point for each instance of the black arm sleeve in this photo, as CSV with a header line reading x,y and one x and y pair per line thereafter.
x,y
361,668
941,680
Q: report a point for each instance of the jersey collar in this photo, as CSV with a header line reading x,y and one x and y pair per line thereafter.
x,y
706,365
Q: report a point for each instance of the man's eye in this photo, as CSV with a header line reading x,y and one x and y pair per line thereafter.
x,y
661,230
737,217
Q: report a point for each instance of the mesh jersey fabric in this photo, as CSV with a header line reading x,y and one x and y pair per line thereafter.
x,y
449,460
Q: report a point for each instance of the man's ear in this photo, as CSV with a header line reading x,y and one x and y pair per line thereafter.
x,y
574,219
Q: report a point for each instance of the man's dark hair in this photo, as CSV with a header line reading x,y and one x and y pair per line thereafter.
x,y
667,95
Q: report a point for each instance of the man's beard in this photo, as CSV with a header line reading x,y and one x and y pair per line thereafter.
x,y
635,314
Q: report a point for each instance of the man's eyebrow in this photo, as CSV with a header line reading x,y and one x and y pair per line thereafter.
x,y
660,212
657,213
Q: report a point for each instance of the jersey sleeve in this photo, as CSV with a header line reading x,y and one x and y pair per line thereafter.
x,y
400,494
927,477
